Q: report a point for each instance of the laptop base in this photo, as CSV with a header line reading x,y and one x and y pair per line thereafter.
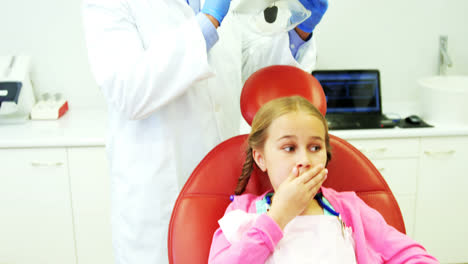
x,y
340,123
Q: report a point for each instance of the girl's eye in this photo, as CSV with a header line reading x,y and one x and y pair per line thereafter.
x,y
315,148
288,149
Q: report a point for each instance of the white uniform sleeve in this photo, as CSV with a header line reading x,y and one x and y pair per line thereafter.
x,y
307,55
138,79
261,51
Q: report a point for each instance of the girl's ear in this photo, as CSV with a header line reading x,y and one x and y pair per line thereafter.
x,y
259,160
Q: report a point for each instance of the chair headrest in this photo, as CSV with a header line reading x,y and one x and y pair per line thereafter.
x,y
278,81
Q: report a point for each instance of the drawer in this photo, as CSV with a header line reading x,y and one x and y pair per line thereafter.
x,y
387,148
400,174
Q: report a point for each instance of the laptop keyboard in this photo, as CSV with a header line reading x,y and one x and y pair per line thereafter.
x,y
359,123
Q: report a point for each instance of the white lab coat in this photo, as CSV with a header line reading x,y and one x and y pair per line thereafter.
x,y
169,103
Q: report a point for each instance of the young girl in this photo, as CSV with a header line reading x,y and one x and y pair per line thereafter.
x,y
299,221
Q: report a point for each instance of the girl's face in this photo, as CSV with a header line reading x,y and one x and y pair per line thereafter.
x,y
294,139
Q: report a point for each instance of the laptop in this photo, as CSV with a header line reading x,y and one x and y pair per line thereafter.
x,y
353,99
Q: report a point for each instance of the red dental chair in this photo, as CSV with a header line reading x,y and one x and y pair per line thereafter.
x,y
205,196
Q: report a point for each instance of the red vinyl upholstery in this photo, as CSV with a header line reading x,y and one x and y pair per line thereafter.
x,y
205,196
279,81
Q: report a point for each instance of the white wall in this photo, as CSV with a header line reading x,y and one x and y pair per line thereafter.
x,y
399,37
50,31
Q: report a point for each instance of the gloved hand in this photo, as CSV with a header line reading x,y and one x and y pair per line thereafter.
x,y
318,8
216,8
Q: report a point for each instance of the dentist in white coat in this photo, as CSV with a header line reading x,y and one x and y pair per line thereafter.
x,y
171,71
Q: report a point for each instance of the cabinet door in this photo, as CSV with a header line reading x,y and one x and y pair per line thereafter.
x,y
35,209
387,148
401,176
442,200
397,160
90,185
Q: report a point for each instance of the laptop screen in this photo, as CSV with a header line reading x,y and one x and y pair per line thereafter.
x,y
350,91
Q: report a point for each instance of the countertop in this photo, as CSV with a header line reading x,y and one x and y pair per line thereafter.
x,y
84,128
77,128
436,131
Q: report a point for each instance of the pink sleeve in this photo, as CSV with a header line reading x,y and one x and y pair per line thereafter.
x,y
393,246
255,246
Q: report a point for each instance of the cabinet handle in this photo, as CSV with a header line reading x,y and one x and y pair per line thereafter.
x,y
382,149
441,152
46,164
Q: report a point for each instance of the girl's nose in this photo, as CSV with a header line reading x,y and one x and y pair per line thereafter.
x,y
303,161
303,166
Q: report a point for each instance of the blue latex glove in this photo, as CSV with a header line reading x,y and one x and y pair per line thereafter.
x,y
216,8
318,8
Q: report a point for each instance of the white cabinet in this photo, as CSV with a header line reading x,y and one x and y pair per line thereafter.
x,y
36,223
397,160
429,178
90,192
55,206
442,204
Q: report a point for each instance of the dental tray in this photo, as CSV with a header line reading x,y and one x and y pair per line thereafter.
x,y
49,107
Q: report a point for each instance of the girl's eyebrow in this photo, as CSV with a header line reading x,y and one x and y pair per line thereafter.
x,y
294,137
286,137
317,138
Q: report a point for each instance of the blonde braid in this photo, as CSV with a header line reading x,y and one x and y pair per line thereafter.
x,y
246,172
